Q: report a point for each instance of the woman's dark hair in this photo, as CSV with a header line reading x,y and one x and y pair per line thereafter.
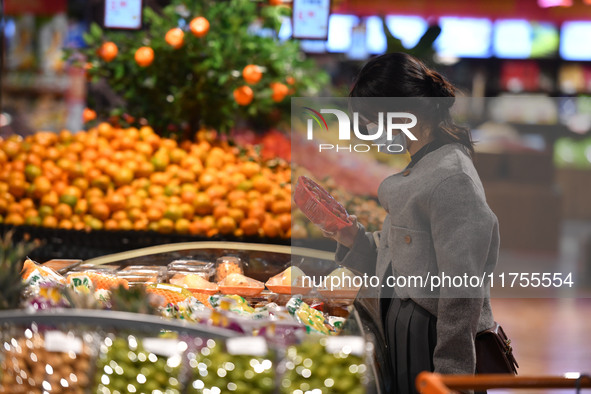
x,y
402,75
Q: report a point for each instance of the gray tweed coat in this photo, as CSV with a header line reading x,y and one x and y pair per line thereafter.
x,y
438,222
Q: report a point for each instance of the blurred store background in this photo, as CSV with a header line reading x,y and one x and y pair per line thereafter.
x,y
531,59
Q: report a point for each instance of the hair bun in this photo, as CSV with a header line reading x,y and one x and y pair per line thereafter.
x,y
439,86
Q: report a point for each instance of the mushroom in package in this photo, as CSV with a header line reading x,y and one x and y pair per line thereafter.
x,y
290,281
319,206
240,285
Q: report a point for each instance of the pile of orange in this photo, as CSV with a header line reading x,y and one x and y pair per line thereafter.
x,y
132,179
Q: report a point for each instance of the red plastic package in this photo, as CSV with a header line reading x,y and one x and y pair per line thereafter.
x,y
319,206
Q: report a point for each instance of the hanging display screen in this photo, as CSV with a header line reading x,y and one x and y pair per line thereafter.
x,y
123,14
310,19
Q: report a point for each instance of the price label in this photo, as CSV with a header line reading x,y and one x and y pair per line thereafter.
x,y
57,341
346,344
166,347
250,346
167,287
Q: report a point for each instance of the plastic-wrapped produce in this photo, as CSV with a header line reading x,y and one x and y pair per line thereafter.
x,y
312,319
194,282
239,284
290,281
169,293
227,265
100,280
203,268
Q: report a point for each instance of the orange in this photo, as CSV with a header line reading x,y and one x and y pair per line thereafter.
x,y
207,179
154,214
284,221
111,225
119,215
32,171
65,224
202,204
250,168
199,26
250,226
279,91
63,211
175,38
108,51
226,225
243,95
241,203
216,191
49,221
165,225
145,169
126,224
116,202
81,207
279,207
173,212
51,199
188,196
182,226
88,115
15,219
262,184
197,228
257,213
271,228
123,177
144,56
100,210
236,214
187,210
41,186
220,211
140,225
45,210
252,74
17,187
135,214
290,80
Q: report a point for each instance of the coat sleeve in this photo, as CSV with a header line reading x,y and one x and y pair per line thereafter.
x,y
462,227
361,257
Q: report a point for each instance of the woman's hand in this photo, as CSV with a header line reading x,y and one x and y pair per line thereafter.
x,y
345,236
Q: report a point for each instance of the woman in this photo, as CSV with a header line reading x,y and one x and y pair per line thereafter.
x,y
438,222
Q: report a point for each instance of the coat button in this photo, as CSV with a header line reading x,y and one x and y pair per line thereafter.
x,y
407,239
406,172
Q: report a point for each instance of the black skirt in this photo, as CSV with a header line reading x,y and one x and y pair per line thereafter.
x,y
411,337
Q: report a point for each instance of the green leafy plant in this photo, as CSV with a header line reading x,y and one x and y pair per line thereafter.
x,y
12,257
192,86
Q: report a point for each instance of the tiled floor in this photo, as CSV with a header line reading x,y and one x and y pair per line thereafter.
x,y
551,336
